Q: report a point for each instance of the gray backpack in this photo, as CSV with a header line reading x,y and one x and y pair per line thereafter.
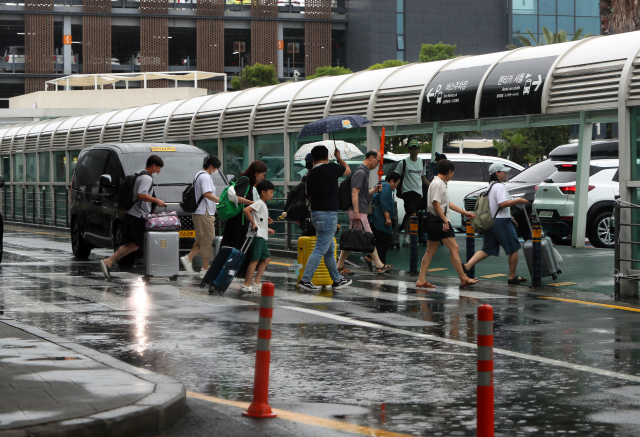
x,y
483,220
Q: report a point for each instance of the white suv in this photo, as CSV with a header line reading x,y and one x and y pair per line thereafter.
x,y
555,201
471,173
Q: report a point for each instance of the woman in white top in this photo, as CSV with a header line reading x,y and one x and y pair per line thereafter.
x,y
439,226
502,233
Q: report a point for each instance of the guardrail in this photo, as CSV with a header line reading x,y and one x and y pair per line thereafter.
x,y
31,204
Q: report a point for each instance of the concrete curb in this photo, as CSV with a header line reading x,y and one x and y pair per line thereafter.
x,y
153,413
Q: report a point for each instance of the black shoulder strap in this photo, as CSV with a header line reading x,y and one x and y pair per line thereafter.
x,y
137,199
194,186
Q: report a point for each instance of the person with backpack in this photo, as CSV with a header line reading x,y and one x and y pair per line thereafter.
x,y
412,171
501,233
357,212
134,219
322,189
384,211
439,226
204,220
236,227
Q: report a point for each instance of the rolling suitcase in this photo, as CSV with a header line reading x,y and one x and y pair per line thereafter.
x,y
161,255
549,263
305,247
224,267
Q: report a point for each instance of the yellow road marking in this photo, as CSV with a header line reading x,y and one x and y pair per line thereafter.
x,y
495,275
438,269
34,232
637,310
307,420
562,284
280,264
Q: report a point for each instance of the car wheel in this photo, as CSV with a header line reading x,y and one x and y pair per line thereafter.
x,y
79,247
601,232
126,262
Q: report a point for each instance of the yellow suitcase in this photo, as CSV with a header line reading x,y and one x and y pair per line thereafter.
x,y
305,247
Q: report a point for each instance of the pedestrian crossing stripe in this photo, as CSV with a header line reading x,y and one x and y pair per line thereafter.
x,y
438,270
562,284
495,275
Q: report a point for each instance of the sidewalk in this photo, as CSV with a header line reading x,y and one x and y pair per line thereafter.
x,y
53,387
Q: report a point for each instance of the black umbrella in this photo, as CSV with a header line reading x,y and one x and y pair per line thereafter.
x,y
333,123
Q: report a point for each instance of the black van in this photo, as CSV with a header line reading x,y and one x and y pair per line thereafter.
x,y
96,219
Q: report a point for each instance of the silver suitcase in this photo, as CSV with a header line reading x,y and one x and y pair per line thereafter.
x,y
161,254
549,263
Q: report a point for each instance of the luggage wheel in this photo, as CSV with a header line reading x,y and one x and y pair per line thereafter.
x,y
220,293
174,278
211,288
554,277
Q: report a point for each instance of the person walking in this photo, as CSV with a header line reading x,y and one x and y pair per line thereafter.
x,y
204,220
322,189
258,215
134,219
235,228
430,172
413,176
438,226
384,210
360,194
502,233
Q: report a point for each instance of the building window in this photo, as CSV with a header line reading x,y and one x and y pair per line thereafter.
x,y
566,24
547,7
73,159
18,168
587,8
32,175
44,172
6,167
549,22
566,7
59,166
210,146
588,25
400,43
400,28
525,7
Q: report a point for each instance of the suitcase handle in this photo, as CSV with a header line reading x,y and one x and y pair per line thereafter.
x,y
247,242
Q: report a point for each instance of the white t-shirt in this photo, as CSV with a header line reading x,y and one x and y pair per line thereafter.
x,y
413,177
204,184
260,215
438,192
497,195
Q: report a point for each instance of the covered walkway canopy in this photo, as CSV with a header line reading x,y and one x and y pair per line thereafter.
x,y
95,80
581,82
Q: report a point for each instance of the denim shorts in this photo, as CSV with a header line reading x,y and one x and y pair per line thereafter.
x,y
502,233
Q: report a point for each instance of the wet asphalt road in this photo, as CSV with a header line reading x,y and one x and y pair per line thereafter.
x,y
379,354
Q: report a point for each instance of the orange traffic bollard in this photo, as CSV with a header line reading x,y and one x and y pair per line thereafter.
x,y
485,371
260,406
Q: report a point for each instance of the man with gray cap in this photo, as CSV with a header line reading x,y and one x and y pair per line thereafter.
x,y
412,174
502,233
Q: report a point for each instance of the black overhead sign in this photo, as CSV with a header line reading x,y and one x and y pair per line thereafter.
x,y
451,95
515,88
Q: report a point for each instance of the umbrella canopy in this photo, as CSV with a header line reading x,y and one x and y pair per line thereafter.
x,y
347,150
333,123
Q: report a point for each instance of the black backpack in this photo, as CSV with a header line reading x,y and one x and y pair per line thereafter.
x,y
297,204
189,202
399,188
126,196
344,194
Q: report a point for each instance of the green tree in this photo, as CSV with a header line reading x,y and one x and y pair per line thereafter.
x,y
330,71
255,75
388,64
530,144
437,52
551,38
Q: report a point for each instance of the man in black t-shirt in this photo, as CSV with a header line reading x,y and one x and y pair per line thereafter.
x,y
322,189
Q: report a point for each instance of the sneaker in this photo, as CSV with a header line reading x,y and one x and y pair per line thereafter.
x,y
257,286
186,264
105,269
308,286
247,289
343,283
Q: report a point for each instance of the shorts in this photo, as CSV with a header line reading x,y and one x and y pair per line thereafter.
x,y
134,229
435,232
363,219
411,202
259,249
502,233
205,226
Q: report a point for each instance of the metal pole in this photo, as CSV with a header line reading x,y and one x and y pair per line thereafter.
x,y
536,281
44,205
95,82
413,247
55,210
33,207
66,206
13,202
616,246
195,80
24,204
68,87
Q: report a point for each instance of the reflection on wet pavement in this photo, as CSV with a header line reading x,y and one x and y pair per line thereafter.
x,y
380,354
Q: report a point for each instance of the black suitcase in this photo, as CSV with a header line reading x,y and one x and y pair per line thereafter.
x,y
224,267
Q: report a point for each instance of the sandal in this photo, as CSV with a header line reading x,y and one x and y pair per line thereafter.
x,y
345,272
469,281
465,270
384,269
516,280
425,284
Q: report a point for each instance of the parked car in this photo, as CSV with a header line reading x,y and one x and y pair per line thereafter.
x,y
12,55
97,220
524,185
135,57
471,173
555,201
115,61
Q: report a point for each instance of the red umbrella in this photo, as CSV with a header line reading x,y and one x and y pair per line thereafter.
x,y
380,172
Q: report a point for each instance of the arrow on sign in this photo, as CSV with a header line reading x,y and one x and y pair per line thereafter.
x,y
537,83
430,94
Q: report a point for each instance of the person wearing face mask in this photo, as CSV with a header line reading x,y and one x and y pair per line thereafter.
x,y
235,228
134,220
204,220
